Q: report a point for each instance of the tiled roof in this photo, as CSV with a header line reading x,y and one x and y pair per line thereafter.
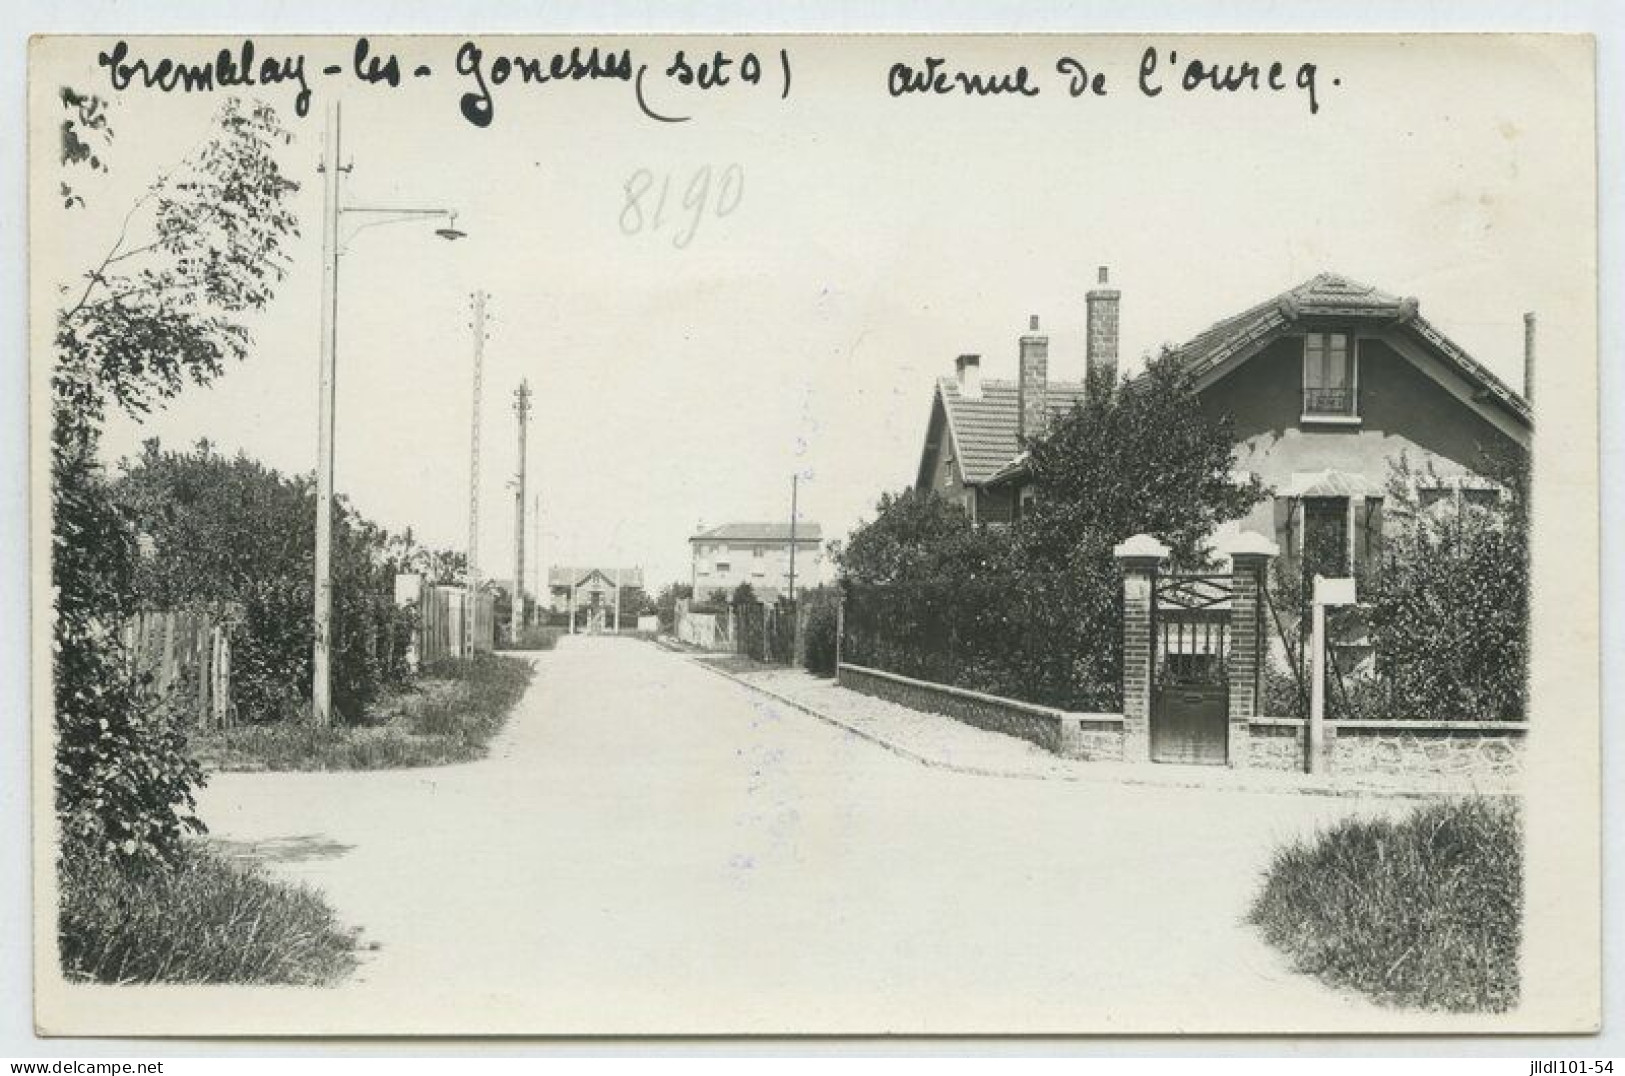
x,y
760,532
984,428
565,576
1331,296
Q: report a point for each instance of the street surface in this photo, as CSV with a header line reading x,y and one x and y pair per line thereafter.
x,y
652,847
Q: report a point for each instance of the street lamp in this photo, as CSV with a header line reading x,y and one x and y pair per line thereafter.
x,y
333,211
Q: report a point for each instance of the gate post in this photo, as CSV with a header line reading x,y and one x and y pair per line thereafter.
x,y
1250,556
1138,557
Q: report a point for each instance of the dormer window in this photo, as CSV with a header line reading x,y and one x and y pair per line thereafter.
x,y
1330,377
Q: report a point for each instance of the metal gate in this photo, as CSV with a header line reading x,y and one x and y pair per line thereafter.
x,y
1190,684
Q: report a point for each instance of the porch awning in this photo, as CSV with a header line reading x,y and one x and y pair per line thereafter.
x,y
1330,484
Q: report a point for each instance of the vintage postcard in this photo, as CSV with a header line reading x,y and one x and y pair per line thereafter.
x,y
610,535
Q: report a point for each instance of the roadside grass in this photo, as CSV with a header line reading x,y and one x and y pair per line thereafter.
x,y
537,637
1421,912
740,664
448,715
206,920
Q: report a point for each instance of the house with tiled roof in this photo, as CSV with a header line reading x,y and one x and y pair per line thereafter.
x,y
591,595
1326,385
773,558
978,428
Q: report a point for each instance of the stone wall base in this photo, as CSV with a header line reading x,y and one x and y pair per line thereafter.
x,y
1070,735
1395,748
1383,748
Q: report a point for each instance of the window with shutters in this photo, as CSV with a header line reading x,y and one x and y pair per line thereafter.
x,y
1441,498
1331,536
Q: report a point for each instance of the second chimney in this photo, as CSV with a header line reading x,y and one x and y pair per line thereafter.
x,y
1101,345
1032,383
969,368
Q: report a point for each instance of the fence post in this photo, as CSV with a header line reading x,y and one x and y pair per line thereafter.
x,y
1326,592
1250,556
840,633
1138,557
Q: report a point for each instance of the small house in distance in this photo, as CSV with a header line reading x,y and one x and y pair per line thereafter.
x,y
760,554
591,596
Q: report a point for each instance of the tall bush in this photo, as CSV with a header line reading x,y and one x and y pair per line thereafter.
x,y
1034,610
818,630
159,307
228,530
1449,610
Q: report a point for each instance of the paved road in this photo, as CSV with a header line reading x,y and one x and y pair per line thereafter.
x,y
652,847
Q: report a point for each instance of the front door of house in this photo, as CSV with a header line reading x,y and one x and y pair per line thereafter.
x,y
1190,688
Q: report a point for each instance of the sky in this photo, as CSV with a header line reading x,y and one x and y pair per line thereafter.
x,y
683,373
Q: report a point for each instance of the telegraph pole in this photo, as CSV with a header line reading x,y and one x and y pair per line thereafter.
x,y
521,406
795,483
471,612
321,693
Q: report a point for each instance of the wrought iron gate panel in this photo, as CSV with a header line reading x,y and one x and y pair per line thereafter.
x,y
1190,684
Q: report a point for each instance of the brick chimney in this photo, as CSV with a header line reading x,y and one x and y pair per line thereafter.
x,y
969,369
1101,345
1529,358
1032,383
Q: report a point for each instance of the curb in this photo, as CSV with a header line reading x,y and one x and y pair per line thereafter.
x,y
1348,792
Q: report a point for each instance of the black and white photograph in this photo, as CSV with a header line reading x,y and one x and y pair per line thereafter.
x,y
814,535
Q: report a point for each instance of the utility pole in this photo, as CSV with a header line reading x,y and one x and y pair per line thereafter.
x,y
544,585
333,213
321,694
521,406
471,612
795,483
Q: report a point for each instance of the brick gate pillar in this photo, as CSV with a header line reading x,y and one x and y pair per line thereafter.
x,y
1250,556
1139,558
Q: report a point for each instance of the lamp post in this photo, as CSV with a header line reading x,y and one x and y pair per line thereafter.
x,y
333,212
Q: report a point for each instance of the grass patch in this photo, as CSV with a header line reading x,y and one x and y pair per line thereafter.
x,y
205,920
741,664
448,715
1421,912
537,637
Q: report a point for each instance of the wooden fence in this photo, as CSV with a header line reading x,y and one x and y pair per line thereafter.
x,y
187,655
441,612
707,631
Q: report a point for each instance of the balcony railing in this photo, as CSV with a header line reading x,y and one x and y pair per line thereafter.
x,y
1328,401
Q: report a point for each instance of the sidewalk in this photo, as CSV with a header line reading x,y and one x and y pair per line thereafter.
x,y
941,742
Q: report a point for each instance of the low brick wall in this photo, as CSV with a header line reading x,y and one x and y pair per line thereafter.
x,y
1073,735
1453,749
1445,749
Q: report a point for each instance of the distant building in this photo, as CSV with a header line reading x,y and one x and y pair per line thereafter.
x,y
590,596
758,554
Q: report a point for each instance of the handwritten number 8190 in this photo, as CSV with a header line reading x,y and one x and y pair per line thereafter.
x,y
645,208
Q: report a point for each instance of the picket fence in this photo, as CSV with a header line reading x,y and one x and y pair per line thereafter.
x,y
186,654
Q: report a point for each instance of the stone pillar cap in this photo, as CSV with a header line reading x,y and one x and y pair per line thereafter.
x,y
1141,546
1249,544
